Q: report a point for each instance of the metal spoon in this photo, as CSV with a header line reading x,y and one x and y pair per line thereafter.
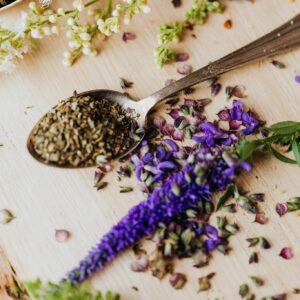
x,y
282,39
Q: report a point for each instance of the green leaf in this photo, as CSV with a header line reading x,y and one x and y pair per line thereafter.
x,y
286,127
296,150
246,148
229,192
282,158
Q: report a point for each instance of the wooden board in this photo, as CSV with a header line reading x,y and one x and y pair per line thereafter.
x,y
44,199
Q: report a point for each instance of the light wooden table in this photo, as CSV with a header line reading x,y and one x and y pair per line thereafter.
x,y
44,199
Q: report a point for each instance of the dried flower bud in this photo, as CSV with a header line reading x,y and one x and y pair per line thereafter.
x,y
204,282
253,258
281,209
257,281
264,244
243,290
62,235
178,280
6,216
286,253
261,218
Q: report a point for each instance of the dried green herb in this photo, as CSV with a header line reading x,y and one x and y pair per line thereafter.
x,y
257,281
81,131
229,192
261,241
243,290
250,297
125,189
204,282
278,64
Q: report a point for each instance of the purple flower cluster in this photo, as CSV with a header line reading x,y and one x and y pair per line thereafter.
x,y
175,178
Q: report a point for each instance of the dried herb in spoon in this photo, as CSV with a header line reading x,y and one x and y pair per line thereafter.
x,y
80,131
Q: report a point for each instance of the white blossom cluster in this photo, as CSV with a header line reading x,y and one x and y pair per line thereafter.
x,y
38,23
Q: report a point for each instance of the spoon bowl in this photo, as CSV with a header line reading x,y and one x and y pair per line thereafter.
x,y
282,39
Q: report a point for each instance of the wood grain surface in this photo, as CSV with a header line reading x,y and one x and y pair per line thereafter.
x,y
44,199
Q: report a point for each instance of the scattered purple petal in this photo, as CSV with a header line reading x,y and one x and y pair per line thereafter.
x,y
215,89
180,57
128,36
297,78
281,209
185,69
286,253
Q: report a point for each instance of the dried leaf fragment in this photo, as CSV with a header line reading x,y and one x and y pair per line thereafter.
x,y
204,282
6,216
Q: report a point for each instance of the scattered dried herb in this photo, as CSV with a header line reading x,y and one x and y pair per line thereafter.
x,y
141,264
229,192
243,290
6,216
278,64
250,297
180,57
128,36
177,280
185,69
257,281
80,131
286,253
125,84
125,189
276,297
261,218
62,235
253,258
176,3
204,282
228,24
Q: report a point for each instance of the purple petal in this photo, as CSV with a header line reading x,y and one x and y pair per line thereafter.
x,y
211,231
128,36
181,56
215,89
286,253
199,139
281,209
172,144
246,166
224,115
178,135
138,172
297,79
234,124
174,113
159,121
185,69
166,165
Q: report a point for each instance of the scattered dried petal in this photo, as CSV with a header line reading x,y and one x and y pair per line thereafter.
x,y
215,89
128,36
180,57
264,243
125,84
239,91
297,79
228,24
224,115
185,69
200,259
286,253
6,216
62,235
125,189
177,280
261,218
257,281
278,64
259,197
204,282
176,3
243,290
281,209
253,258
252,241
141,264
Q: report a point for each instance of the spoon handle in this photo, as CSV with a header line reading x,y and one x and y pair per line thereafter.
x,y
282,39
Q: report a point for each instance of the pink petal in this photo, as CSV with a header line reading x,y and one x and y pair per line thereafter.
x,y
62,235
159,121
167,129
185,69
281,209
178,135
174,113
286,253
261,218
234,125
128,36
182,56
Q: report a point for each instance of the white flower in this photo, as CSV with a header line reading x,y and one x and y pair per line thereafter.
x,y
69,34
74,44
54,29
32,5
85,36
126,20
46,30
67,54
115,13
36,34
70,21
52,18
86,50
66,62
61,11
146,9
